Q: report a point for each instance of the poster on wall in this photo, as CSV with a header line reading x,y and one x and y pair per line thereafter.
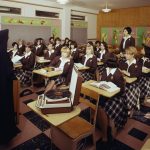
x,y
28,29
55,24
113,35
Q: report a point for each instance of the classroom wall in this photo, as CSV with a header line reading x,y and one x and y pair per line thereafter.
x,y
28,10
92,24
134,17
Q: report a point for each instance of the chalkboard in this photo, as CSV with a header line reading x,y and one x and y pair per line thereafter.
x,y
27,33
79,35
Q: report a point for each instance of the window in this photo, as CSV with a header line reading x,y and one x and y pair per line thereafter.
x,y
10,10
47,14
77,17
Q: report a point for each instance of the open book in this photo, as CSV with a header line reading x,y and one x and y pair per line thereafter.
x,y
108,86
16,59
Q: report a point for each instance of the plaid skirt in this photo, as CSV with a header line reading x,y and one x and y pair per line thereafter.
x,y
116,109
101,68
144,85
58,80
87,76
24,76
132,96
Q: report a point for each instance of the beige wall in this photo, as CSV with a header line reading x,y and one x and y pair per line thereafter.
x,y
139,16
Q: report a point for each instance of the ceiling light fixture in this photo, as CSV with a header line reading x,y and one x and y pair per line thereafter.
x,y
106,9
63,2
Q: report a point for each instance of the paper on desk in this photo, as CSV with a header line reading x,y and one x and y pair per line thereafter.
x,y
16,58
108,86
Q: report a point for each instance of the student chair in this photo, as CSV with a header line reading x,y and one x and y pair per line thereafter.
x,y
72,134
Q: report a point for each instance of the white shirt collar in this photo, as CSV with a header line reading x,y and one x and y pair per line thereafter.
x,y
63,62
112,71
132,62
73,50
90,56
27,54
20,45
127,37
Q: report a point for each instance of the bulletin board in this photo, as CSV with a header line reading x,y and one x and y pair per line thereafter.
x,y
28,28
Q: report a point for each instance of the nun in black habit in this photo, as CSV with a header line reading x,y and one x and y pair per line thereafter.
x,y
7,124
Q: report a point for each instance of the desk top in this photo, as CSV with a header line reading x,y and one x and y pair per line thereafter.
x,y
40,61
55,119
17,65
146,145
100,63
83,68
99,91
145,70
46,72
129,80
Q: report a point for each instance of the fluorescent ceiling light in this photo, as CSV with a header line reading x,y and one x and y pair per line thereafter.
x,y
106,10
62,1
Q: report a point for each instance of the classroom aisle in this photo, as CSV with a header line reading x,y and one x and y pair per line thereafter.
x,y
34,132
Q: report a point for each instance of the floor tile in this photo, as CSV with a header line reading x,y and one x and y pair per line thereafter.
x,y
137,134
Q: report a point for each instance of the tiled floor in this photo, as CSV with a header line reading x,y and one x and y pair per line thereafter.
x,y
35,132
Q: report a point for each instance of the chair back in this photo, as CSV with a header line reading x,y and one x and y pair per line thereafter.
x,y
91,99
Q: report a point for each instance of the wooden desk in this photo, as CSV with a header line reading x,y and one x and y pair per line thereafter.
x,y
17,65
87,85
42,61
99,63
130,80
145,70
16,91
55,119
82,68
146,145
48,73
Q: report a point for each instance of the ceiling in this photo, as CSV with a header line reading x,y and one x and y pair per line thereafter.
x,y
113,4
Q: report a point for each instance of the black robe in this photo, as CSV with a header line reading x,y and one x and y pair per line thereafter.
x,y
7,125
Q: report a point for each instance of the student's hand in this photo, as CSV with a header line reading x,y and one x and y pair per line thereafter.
x,y
58,69
125,72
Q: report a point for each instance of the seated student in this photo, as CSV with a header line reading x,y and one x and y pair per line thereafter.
x,y
131,68
50,52
101,55
90,61
14,51
64,63
69,44
21,47
58,46
51,40
28,62
144,82
38,48
97,47
74,52
112,111
66,42
90,43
